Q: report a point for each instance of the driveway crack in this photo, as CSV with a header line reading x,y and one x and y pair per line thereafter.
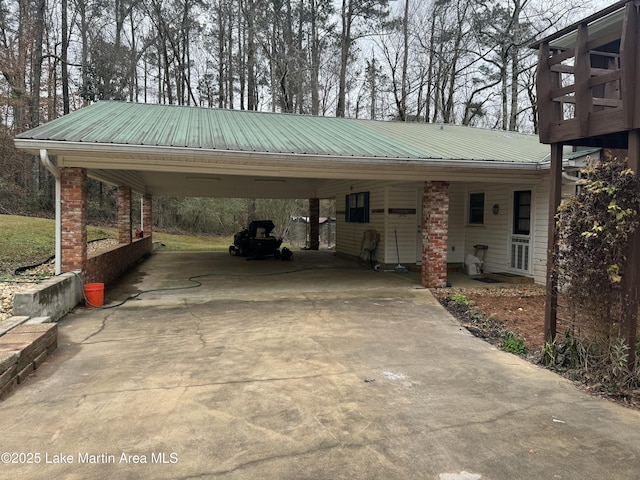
x,y
103,324
198,321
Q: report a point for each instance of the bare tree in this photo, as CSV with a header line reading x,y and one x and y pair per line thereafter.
x,y
354,12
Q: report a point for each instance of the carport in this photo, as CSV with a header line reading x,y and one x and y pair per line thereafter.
x,y
187,151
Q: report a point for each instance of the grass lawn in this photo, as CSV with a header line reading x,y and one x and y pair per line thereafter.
x,y
29,241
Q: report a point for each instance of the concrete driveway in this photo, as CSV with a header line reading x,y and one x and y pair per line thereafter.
x,y
311,369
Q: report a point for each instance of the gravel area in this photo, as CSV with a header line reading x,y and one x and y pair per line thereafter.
x,y
29,278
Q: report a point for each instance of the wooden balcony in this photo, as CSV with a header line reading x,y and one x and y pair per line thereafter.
x,y
587,79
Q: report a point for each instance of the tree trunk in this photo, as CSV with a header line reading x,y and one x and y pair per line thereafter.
x,y
64,58
242,60
221,58
315,60
230,70
402,111
252,99
345,46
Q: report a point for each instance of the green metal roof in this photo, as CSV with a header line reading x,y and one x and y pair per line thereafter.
x,y
121,123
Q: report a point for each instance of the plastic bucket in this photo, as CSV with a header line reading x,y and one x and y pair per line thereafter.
x,y
94,294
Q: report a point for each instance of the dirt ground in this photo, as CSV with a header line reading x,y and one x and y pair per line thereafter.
x,y
520,309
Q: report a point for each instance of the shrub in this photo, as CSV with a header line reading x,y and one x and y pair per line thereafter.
x,y
593,230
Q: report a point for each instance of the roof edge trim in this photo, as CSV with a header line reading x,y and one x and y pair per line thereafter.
x,y
54,146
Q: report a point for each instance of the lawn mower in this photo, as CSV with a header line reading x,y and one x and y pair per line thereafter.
x,y
256,242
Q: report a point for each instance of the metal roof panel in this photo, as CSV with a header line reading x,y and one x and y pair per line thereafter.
x,y
245,131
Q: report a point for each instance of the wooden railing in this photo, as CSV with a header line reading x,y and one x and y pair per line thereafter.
x,y
588,89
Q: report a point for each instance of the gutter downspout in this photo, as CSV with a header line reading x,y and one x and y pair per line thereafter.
x,y
571,178
44,158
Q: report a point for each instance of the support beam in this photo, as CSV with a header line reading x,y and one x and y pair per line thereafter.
x,y
73,199
631,277
435,233
124,214
555,195
314,224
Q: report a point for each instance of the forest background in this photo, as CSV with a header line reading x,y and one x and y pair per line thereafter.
x,y
439,61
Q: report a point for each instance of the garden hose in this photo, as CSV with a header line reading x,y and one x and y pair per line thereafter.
x,y
197,283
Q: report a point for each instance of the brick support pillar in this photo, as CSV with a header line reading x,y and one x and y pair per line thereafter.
x,y
124,214
435,232
73,216
147,214
314,224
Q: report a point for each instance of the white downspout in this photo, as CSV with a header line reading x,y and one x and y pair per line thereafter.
x,y
570,178
44,158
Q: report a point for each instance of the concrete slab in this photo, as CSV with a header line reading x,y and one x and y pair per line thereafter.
x,y
290,370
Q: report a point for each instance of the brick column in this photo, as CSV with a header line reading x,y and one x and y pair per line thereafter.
x,y
73,216
314,224
147,214
124,214
435,232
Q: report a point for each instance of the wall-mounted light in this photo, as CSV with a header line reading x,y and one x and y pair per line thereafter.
x,y
496,209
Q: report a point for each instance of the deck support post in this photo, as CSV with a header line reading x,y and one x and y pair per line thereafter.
x,y
555,193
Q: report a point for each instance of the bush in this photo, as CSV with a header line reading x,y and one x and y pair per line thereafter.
x,y
593,229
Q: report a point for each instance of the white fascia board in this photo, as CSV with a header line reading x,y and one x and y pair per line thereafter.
x,y
182,159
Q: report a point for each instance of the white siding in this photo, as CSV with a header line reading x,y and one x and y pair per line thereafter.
x,y
382,196
406,225
457,209
495,233
349,235
540,228
542,225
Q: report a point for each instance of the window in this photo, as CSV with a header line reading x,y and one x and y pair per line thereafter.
x,y
476,208
357,208
522,212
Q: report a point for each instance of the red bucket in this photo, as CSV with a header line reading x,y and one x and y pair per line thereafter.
x,y
94,294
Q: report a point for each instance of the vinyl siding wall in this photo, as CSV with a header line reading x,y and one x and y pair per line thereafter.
x,y
382,196
457,222
405,224
349,235
495,233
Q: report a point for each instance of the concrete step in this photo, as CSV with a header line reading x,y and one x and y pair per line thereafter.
x,y
8,323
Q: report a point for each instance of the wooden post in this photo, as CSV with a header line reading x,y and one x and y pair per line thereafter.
x,y
631,276
629,53
555,193
544,83
582,74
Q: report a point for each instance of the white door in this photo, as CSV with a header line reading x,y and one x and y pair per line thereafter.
x,y
520,252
